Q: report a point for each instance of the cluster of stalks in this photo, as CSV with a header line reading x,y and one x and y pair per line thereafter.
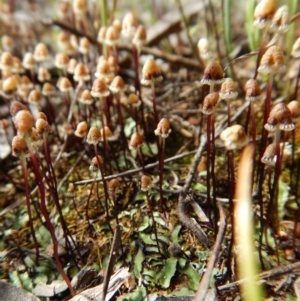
x,y
77,98
82,99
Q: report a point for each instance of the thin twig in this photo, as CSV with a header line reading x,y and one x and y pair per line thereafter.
x,y
112,259
278,271
191,223
204,284
172,58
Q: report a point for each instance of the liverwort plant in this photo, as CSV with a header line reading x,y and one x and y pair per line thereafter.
x,y
24,122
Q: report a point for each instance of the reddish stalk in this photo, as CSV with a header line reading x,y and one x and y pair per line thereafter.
x,y
106,196
231,183
260,171
52,183
25,173
104,122
115,206
52,116
213,177
125,146
45,214
208,161
251,118
161,173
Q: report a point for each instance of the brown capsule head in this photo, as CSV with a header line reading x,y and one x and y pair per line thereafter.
x,y
209,103
28,61
213,73
117,85
16,107
81,129
41,53
70,49
72,65
101,34
48,89
136,141
111,36
17,66
228,89
26,82
84,45
203,47
9,86
42,126
272,61
6,74
71,188
112,62
41,115
19,146
7,42
129,25
294,108
81,73
284,116
140,34
86,98
234,137
113,185
93,136
99,88
24,122
163,128
117,25
61,61
287,124
269,156
6,61
271,124
264,11
35,97
106,133
67,129
280,22
146,183
133,100
35,139
94,166
103,69
140,37
63,37
151,72
252,90
43,75
80,7
64,84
